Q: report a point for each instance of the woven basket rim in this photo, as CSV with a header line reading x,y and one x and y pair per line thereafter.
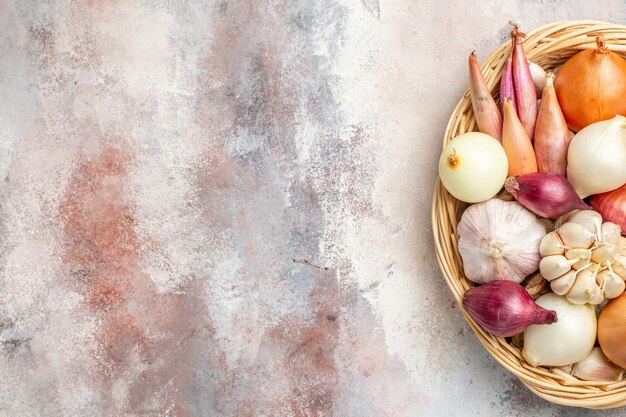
x,y
548,43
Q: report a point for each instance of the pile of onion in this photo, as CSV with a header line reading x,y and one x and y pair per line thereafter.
x,y
591,86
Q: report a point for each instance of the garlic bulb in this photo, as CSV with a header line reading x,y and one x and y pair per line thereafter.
x,y
499,240
596,155
597,367
584,259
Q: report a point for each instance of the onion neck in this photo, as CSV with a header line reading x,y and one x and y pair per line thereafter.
x,y
516,35
544,316
601,45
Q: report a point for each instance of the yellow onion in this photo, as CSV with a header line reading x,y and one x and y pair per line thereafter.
x,y
612,330
591,86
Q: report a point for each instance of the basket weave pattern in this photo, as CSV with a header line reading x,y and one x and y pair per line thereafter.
x,y
549,46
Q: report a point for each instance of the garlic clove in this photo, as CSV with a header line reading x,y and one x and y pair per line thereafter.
x,y
584,287
596,296
611,233
604,253
597,367
574,235
619,267
589,219
551,244
554,266
582,255
563,284
612,284
622,242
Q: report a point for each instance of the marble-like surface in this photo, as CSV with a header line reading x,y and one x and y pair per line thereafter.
x,y
221,208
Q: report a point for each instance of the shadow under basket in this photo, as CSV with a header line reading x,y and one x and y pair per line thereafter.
x,y
549,46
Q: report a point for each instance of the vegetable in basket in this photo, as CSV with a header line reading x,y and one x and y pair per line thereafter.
x,y
565,342
612,206
552,137
591,86
612,330
546,195
499,240
516,143
523,84
486,111
504,308
582,259
596,158
473,167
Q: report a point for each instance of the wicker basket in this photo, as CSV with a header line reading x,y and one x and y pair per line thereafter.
x,y
549,46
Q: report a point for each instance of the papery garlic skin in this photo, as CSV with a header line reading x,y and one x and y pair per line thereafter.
x,y
499,240
596,155
597,367
567,341
539,77
589,219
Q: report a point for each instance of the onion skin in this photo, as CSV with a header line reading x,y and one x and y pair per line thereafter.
x,y
552,136
591,86
516,143
525,92
568,341
473,167
504,308
545,194
506,84
595,157
486,111
612,206
612,330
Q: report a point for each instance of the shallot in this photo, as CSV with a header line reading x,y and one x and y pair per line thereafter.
x,y
546,195
486,111
552,137
504,308
525,92
516,143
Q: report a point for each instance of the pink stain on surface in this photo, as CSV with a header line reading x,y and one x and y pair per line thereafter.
x,y
144,333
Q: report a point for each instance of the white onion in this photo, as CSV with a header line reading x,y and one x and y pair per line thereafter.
x,y
567,341
473,167
596,157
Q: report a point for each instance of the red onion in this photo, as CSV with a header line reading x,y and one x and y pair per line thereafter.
x,y
545,194
504,308
612,206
